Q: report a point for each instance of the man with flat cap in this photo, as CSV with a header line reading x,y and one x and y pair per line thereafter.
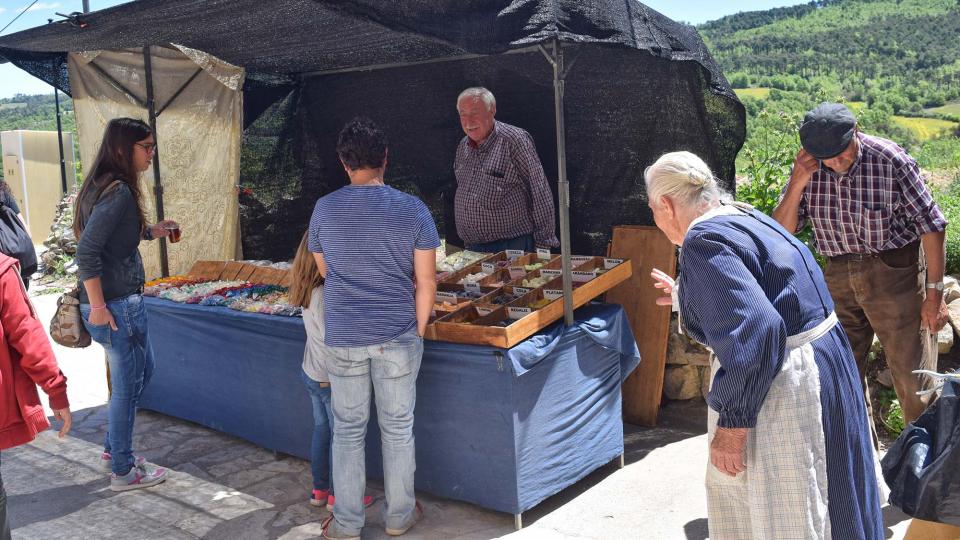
x,y
871,213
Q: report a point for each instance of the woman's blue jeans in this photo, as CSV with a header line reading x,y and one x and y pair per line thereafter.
x,y
131,365
321,446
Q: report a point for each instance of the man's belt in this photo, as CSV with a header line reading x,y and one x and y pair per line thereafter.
x,y
912,246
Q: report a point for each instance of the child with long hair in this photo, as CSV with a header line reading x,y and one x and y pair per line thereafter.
x,y
109,223
306,291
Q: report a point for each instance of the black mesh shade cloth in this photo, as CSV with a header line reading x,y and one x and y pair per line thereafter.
x,y
638,85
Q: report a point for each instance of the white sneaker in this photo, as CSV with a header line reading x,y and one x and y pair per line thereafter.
x,y
106,462
137,478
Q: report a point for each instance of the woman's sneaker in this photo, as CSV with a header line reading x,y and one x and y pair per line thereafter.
x,y
106,462
367,501
319,497
137,478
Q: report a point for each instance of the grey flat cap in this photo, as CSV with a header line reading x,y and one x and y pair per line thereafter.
x,y
826,131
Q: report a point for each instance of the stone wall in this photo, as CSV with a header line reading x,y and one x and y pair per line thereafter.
x,y
687,373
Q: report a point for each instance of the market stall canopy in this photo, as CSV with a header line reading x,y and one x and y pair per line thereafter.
x,y
638,85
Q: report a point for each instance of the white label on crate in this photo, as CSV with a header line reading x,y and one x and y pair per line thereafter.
x,y
517,272
552,294
518,312
484,310
582,277
444,296
520,291
514,254
579,259
551,272
471,287
610,263
488,268
543,254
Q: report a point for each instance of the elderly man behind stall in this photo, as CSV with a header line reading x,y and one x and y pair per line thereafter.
x,y
503,200
871,212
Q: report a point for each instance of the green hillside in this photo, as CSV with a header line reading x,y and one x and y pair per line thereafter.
x,y
36,112
904,54
895,63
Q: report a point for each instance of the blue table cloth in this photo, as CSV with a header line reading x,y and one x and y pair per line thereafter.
x,y
501,428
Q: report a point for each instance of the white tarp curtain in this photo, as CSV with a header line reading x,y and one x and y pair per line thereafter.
x,y
198,139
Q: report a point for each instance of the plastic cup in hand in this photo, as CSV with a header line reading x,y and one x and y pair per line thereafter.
x,y
174,233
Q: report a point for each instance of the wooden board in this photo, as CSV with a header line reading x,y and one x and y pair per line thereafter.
x,y
207,269
246,272
260,275
212,270
230,270
272,276
647,248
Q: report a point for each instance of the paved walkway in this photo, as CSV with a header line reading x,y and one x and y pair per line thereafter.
x,y
226,488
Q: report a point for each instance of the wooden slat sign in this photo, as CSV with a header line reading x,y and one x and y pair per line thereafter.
x,y
274,276
259,275
230,270
248,272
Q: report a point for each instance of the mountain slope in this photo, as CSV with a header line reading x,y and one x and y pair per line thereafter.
x,y
905,52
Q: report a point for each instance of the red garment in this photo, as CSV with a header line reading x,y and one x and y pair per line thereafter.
x,y
26,361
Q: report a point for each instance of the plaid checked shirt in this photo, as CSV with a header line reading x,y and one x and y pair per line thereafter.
x,y
881,203
502,192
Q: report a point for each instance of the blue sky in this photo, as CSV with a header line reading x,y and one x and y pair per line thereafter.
x,y
14,81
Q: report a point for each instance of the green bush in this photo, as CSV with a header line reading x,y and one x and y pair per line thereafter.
x,y
938,154
948,198
890,412
767,157
766,161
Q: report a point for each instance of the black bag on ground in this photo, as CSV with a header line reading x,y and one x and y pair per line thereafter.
x,y
15,241
922,468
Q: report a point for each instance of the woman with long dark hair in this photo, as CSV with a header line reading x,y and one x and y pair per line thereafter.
x,y
109,222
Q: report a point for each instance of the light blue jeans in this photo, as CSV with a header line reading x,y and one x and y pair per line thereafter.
x,y
389,371
131,365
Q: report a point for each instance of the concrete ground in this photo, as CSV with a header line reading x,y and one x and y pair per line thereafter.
x,y
226,488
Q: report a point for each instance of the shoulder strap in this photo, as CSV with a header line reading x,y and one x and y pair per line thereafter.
x,y
109,187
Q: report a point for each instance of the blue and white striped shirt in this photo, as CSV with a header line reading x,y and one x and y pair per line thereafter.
x,y
367,235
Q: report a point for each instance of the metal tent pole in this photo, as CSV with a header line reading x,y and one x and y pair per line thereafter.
x,y
563,186
63,163
157,186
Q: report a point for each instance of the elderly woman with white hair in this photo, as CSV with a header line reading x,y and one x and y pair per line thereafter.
x,y
790,449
